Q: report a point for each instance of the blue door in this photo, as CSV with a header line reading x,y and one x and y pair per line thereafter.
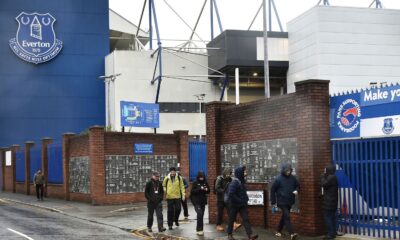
x,y
197,159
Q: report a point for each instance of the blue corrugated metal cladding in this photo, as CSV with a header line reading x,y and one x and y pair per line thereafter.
x,y
64,94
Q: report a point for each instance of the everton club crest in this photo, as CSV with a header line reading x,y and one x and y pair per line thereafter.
x,y
387,126
36,41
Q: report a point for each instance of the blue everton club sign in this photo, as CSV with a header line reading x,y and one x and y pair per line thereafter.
x,y
136,114
369,113
36,40
143,148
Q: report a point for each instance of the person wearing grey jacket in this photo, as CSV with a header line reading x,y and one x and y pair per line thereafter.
x,y
39,183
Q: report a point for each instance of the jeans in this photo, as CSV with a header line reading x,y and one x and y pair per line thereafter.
x,y
157,207
220,213
233,210
200,216
185,208
330,219
174,209
285,219
39,187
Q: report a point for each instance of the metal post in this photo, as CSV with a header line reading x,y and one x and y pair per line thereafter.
x,y
200,120
150,25
237,86
212,19
218,17
223,87
266,63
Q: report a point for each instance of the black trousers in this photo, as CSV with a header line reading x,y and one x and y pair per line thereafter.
x,y
39,188
285,219
185,208
220,211
151,208
174,209
233,211
200,216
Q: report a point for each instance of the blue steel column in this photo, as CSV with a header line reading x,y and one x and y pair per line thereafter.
x,y
160,51
212,19
218,17
224,86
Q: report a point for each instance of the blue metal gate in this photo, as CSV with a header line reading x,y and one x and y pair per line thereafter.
x,y
197,159
369,182
55,163
20,166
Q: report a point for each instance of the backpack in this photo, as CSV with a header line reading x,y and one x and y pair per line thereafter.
x,y
226,192
219,178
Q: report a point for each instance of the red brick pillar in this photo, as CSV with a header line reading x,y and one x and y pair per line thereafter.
x,y
66,141
14,149
96,164
183,151
313,150
213,129
28,177
45,160
3,168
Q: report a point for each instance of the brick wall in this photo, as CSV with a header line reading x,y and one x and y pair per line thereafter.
x,y
303,115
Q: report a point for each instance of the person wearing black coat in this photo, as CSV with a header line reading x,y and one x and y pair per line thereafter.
x,y
329,183
237,200
198,196
283,194
154,194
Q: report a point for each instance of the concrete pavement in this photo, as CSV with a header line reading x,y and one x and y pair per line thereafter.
x,y
133,217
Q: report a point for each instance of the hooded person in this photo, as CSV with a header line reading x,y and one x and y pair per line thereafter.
x,y
221,185
329,184
237,200
283,194
198,196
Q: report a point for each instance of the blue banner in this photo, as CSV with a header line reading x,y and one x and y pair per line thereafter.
x,y
369,113
135,114
143,148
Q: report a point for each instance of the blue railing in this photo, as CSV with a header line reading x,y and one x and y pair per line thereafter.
x,y
36,161
197,159
369,181
20,166
55,163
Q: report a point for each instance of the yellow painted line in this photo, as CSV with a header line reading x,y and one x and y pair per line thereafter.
x,y
137,233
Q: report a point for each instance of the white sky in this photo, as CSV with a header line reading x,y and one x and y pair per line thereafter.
x,y
235,14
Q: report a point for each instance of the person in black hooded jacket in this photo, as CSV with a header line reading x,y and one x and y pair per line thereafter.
x,y
154,194
283,194
330,188
198,196
237,200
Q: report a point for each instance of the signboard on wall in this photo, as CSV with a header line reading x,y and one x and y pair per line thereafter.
x,y
369,113
136,114
143,148
255,197
35,40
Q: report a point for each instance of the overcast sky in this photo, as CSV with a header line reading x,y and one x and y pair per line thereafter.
x,y
235,14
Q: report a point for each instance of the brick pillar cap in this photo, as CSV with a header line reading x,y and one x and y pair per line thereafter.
x,y
30,143
69,134
15,146
96,127
4,149
46,138
220,103
312,81
181,131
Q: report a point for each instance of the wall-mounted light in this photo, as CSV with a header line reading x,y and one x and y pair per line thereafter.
x,y
255,74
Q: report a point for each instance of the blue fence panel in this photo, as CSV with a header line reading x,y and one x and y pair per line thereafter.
x,y
55,164
197,159
369,183
20,166
36,161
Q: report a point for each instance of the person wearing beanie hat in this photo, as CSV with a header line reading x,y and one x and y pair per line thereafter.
x,y
154,194
198,196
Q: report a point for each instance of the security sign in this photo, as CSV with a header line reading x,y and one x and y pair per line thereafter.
x,y
35,40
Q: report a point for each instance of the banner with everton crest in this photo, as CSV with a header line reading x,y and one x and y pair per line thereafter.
x,y
368,113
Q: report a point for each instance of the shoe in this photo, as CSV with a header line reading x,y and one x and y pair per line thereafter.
x,y
278,234
163,229
177,223
220,228
236,226
230,237
200,233
170,227
338,233
253,237
293,236
328,238
149,230
186,218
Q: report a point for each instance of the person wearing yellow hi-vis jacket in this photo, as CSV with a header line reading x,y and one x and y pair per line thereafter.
x,y
175,192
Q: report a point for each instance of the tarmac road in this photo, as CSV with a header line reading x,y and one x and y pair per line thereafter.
x,y
23,222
